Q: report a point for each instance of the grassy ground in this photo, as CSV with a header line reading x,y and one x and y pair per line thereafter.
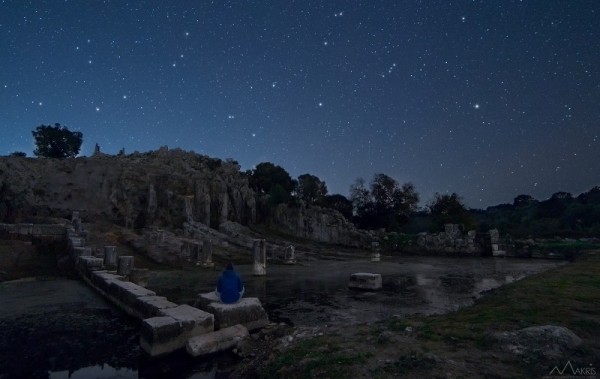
x,y
460,344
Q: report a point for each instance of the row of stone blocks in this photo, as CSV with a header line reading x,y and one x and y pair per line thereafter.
x,y
167,326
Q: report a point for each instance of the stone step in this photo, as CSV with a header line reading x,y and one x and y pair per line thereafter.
x,y
173,328
247,312
221,340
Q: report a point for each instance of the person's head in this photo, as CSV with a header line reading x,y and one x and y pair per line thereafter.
x,y
229,266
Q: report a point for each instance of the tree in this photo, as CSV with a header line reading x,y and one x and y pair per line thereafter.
x,y
449,209
56,141
523,200
385,205
311,189
18,154
340,204
361,199
267,178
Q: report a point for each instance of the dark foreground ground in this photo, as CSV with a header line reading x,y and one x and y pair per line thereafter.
x,y
85,337
455,345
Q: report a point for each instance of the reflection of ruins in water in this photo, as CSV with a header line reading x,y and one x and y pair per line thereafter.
x,y
314,292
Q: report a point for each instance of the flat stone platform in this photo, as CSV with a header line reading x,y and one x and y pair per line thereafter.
x,y
247,312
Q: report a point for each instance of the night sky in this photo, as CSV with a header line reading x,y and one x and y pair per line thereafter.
x,y
489,99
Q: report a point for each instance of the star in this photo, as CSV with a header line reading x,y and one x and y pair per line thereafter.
x,y
476,106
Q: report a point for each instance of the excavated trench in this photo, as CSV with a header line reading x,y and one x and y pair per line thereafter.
x,y
59,328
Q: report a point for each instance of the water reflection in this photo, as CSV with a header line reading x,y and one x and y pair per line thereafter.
x,y
62,329
103,371
317,292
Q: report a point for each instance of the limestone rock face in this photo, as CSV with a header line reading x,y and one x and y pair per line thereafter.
x,y
165,187
319,224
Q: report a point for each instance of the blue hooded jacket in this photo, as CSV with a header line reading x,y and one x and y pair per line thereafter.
x,y
230,286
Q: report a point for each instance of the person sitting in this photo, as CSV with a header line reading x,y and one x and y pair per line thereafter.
x,y
230,287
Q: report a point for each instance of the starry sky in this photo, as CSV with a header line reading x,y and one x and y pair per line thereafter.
x,y
488,99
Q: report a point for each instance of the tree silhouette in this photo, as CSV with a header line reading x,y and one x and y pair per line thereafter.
x,y
311,189
56,141
449,209
385,205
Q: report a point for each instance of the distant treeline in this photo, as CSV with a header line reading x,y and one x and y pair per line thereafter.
x,y
386,203
562,214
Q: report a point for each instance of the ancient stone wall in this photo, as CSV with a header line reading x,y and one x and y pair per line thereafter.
x,y
318,224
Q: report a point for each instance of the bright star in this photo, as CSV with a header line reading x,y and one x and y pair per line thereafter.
x,y
476,106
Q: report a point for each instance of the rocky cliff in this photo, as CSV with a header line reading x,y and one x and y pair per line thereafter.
x,y
319,224
165,187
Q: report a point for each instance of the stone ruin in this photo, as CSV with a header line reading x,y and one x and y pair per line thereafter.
x,y
166,326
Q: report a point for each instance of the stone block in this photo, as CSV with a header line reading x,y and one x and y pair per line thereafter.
x,y
125,265
220,340
150,306
90,263
248,311
76,241
26,229
110,256
82,251
193,320
365,281
103,279
161,335
127,292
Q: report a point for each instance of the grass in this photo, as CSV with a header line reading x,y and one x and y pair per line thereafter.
x,y
567,296
561,296
316,357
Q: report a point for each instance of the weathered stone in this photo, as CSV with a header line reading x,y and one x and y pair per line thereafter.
x,y
290,255
127,293
102,279
365,281
161,335
248,311
207,254
220,340
110,257
150,306
548,341
173,327
82,251
26,229
125,265
260,257
76,241
90,263
320,224
193,319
